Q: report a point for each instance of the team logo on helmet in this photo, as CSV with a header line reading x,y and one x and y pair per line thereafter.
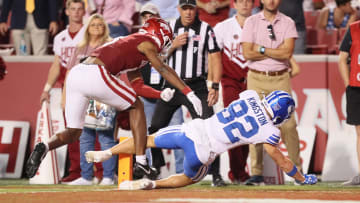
x,y
160,30
280,105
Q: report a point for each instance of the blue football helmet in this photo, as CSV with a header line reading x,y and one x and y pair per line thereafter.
x,y
280,105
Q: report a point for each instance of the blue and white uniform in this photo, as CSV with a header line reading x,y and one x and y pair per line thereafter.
x,y
244,121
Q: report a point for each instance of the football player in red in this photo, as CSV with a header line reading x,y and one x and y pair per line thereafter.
x,y
96,78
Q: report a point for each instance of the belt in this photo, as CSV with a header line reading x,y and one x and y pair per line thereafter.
x,y
193,80
270,73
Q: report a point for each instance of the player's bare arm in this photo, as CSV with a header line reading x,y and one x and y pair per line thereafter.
x,y
343,67
284,163
53,75
215,67
150,51
174,181
250,53
283,52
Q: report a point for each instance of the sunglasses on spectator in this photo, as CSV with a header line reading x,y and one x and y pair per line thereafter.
x,y
271,32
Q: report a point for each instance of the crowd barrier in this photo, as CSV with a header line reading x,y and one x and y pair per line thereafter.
x,y
318,90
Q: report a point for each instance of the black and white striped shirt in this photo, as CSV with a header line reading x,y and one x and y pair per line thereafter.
x,y
191,60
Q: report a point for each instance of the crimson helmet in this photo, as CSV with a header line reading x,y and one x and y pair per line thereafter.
x,y
160,29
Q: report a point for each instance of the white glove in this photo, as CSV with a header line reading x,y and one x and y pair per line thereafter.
x,y
167,94
196,102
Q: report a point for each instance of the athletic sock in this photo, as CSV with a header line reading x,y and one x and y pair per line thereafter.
x,y
141,159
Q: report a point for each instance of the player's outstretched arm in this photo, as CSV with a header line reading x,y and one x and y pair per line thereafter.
x,y
125,147
174,181
288,166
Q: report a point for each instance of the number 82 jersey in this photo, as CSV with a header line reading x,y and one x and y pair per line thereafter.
x,y
244,121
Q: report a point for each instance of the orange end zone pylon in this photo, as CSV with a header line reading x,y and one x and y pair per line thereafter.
x,y
125,169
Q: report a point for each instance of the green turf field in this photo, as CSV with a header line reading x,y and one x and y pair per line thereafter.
x,y
22,186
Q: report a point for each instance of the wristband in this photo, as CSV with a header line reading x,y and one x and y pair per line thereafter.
x,y
292,172
262,50
47,87
186,90
215,86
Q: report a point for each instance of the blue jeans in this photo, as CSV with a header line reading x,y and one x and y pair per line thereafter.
x,y
117,31
177,119
87,143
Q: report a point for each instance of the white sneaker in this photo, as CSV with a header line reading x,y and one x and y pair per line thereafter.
x,y
97,156
95,181
81,181
142,184
107,181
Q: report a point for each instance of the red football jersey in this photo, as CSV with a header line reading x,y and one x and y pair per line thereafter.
x,y
121,55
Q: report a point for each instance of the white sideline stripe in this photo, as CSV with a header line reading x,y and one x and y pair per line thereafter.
x,y
241,200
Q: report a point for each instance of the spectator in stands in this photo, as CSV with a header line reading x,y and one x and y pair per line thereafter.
x,y
153,78
213,11
31,23
233,79
339,17
350,48
312,5
268,40
118,15
167,9
96,34
294,10
64,45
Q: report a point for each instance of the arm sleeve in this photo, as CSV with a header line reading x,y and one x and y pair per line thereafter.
x,y
246,33
291,30
52,10
144,90
218,35
346,42
5,9
211,40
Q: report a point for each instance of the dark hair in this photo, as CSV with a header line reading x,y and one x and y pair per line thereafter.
x,y
341,2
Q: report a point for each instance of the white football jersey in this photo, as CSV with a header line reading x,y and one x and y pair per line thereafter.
x,y
244,121
228,34
65,45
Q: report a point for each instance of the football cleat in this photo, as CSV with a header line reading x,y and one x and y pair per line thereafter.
x,y
141,171
34,161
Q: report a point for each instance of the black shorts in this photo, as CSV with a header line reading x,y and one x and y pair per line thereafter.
x,y
353,105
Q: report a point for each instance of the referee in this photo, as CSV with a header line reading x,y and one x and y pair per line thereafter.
x,y
193,49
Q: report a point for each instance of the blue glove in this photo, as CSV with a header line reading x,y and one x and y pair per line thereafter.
x,y
310,179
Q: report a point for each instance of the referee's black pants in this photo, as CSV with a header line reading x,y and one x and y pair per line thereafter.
x,y
165,110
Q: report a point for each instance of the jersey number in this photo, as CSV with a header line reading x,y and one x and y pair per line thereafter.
x,y
235,129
